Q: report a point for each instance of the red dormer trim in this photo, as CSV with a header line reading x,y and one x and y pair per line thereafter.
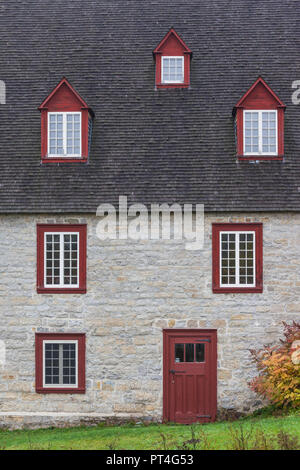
x,y
64,98
260,80
64,81
259,97
172,45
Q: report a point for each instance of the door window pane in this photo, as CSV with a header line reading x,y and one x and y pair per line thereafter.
x,y
179,352
189,353
200,348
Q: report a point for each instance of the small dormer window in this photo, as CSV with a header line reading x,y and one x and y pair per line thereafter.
x,y
260,132
66,126
259,120
172,70
172,62
64,134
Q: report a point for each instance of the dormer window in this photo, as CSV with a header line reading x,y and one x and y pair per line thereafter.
x,y
259,117
64,135
172,62
66,126
172,69
260,133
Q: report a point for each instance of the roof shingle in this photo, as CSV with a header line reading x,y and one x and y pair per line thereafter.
x,y
174,145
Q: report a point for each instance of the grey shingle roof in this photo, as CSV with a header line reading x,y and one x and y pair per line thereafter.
x,y
153,146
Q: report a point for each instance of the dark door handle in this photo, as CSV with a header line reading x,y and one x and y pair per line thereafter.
x,y
179,371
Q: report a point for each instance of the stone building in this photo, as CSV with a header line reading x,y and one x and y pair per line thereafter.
x,y
186,104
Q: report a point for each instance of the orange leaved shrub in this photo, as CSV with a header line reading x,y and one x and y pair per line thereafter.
x,y
279,378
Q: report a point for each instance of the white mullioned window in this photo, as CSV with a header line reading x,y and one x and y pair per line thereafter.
x,y
260,132
60,363
172,69
237,259
64,134
61,259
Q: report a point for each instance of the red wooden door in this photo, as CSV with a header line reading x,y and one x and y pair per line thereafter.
x,y
190,375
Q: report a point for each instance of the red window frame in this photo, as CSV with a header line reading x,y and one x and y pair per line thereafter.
x,y
259,97
78,228
39,339
235,227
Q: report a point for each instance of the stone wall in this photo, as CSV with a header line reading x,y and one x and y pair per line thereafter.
x,y
135,289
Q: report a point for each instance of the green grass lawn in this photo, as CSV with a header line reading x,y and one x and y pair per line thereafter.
x,y
220,435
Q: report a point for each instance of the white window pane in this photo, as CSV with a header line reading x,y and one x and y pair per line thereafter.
x,y
60,363
172,69
61,133
228,259
261,127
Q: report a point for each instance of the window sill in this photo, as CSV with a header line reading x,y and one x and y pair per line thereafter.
x,y
64,159
61,290
172,85
237,290
259,157
60,390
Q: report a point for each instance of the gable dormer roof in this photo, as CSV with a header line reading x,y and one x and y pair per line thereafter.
x,y
69,89
260,82
167,37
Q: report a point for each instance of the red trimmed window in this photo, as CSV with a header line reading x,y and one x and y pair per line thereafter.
x,y
66,125
61,258
259,121
172,62
237,258
60,363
